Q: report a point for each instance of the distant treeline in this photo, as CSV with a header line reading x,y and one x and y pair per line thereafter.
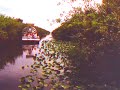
x,y
11,29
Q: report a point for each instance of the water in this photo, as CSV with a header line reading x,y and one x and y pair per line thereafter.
x,y
18,62
15,62
11,68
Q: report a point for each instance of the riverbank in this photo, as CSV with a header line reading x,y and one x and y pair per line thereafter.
x,y
11,30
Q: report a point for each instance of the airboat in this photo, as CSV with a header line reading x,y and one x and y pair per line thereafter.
x,y
29,35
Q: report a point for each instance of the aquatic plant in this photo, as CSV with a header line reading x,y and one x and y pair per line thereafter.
x,y
50,68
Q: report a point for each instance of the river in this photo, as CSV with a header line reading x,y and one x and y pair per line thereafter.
x,y
19,68
13,60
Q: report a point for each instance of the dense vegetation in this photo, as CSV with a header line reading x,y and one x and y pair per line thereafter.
x,y
96,35
90,24
92,29
11,29
90,58
41,32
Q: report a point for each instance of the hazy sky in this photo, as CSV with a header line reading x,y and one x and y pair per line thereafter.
x,y
37,12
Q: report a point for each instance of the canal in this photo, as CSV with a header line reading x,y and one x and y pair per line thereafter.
x,y
50,69
11,66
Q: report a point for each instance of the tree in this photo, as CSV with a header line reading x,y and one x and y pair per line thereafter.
x,y
3,35
92,30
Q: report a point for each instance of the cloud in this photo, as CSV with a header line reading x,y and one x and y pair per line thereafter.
x,y
4,9
34,11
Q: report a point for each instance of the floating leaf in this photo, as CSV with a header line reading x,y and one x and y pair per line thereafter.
x,y
20,86
78,87
29,76
30,80
34,88
22,79
28,85
46,85
25,88
65,86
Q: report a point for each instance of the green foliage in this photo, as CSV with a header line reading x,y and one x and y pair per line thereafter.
x,y
97,34
93,31
41,32
54,70
90,25
49,69
3,35
11,29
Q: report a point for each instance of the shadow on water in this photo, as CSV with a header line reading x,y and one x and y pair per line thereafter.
x,y
100,74
13,60
47,67
47,72
52,70
9,53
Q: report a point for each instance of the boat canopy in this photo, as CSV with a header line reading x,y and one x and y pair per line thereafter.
x,y
29,33
29,29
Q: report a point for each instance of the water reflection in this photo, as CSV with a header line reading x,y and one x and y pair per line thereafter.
x,y
51,69
100,74
14,63
9,54
48,70
30,50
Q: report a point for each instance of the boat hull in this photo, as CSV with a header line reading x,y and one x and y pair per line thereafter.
x,y
30,41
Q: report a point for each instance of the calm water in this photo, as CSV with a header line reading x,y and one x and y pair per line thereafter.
x,y
17,62
11,66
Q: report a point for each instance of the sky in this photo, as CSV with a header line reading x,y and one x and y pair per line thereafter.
x,y
39,12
